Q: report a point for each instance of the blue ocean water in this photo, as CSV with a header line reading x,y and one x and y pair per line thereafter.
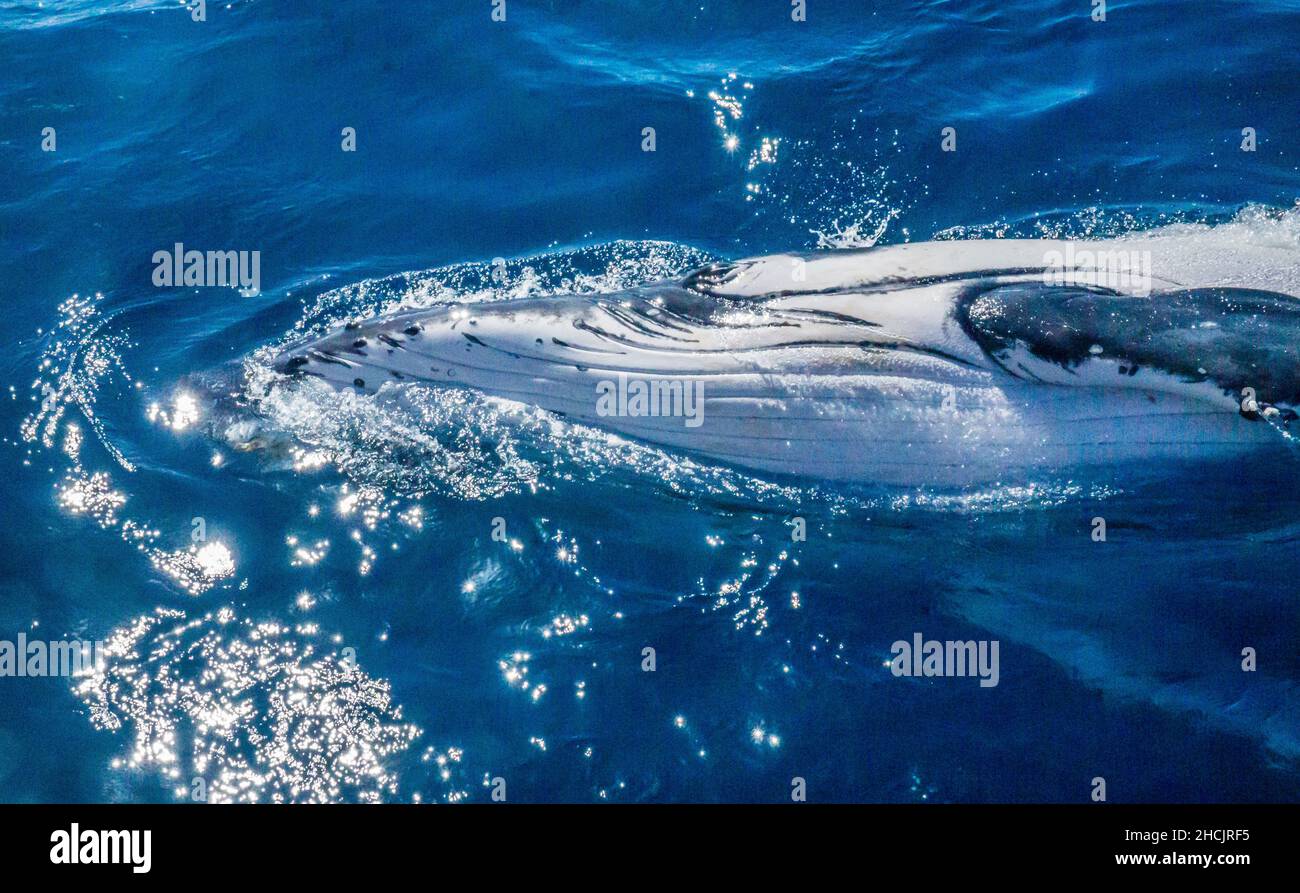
x,y
326,614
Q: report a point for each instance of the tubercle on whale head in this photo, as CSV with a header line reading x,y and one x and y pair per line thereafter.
x,y
287,364
708,278
367,353
292,359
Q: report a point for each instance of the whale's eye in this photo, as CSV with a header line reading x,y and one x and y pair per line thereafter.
x,y
359,382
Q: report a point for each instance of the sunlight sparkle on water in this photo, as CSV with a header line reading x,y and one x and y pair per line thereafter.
x,y
196,569
185,411
265,717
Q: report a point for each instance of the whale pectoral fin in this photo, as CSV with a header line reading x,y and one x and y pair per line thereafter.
x,y
1241,344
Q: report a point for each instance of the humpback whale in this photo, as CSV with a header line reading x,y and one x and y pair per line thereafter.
x,y
944,362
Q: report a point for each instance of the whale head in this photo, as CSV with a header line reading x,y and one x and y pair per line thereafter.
x,y
944,362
